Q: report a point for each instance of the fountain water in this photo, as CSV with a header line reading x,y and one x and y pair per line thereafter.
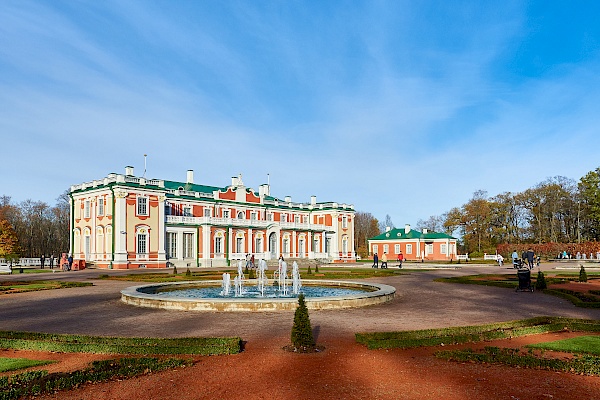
x,y
261,280
282,278
226,285
296,283
239,281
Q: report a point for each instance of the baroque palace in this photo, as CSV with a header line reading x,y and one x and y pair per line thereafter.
x,y
124,221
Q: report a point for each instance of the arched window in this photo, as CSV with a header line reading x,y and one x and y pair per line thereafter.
x,y
142,239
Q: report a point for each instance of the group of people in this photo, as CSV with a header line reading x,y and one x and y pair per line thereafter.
x,y
384,260
65,262
528,258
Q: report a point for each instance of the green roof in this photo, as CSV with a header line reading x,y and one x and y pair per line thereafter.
x,y
398,233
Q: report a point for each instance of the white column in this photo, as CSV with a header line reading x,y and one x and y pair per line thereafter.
x,y
294,245
206,256
250,242
162,230
120,216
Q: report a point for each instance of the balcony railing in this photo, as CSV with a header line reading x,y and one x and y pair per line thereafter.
x,y
251,223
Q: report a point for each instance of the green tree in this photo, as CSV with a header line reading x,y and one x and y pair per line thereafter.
x,y
302,336
589,191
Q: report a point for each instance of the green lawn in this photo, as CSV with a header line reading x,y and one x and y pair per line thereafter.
x,y
13,364
582,344
25,286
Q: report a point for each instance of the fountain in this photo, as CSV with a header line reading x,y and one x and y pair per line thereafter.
x,y
260,294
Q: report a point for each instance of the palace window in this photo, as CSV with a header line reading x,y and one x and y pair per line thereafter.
x,y
100,206
283,217
142,240
225,213
171,245
86,209
188,245
187,211
253,216
207,212
240,215
142,205
239,245
344,222
218,245
269,216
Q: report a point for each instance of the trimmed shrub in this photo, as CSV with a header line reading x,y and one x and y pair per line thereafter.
x,y
316,269
188,272
309,271
302,336
540,283
174,270
582,275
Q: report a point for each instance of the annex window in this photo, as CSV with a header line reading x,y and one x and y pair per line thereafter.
x,y
171,244
100,206
188,245
443,248
142,205
375,249
428,249
409,249
386,248
397,248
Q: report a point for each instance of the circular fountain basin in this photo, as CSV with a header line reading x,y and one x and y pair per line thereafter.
x,y
365,294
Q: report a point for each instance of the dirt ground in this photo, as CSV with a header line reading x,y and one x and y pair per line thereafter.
x,y
345,370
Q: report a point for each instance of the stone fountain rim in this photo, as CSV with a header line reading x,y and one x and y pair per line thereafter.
x,y
380,293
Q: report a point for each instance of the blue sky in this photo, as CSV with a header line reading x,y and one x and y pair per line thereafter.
x,y
399,107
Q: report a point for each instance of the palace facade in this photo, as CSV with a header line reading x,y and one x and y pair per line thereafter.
x,y
414,245
123,221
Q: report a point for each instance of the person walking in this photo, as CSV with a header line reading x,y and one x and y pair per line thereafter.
x,y
70,260
530,257
400,259
42,260
51,261
375,261
384,261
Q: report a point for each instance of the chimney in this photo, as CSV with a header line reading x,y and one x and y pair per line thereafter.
x,y
313,200
190,176
234,181
129,170
424,230
406,229
288,199
387,229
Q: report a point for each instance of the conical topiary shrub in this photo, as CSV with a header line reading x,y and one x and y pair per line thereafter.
x,y
174,270
540,283
188,272
582,275
317,269
309,271
302,337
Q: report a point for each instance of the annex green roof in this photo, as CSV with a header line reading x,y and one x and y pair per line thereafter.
x,y
399,233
